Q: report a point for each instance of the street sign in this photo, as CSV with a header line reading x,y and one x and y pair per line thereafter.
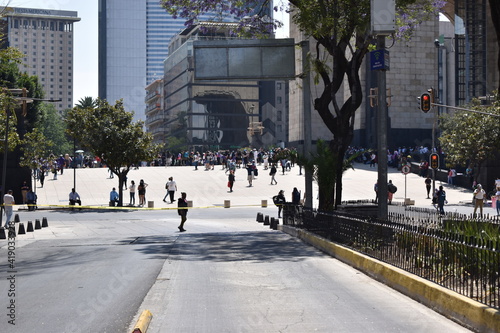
x,y
405,169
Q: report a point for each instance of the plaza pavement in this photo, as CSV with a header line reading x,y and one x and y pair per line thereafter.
x,y
208,189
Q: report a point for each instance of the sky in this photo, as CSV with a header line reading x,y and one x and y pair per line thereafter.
x,y
86,37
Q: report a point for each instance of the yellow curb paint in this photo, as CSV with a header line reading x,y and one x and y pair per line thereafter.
x,y
143,322
457,307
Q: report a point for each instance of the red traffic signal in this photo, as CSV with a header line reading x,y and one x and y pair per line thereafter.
x,y
434,161
425,102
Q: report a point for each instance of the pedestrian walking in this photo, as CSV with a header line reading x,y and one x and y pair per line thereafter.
x,y
132,193
272,173
31,198
428,182
8,205
391,189
42,177
279,200
142,192
24,190
182,210
171,187
249,174
230,180
441,199
296,196
479,196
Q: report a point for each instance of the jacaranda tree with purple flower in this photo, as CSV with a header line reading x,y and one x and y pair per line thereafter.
x,y
340,30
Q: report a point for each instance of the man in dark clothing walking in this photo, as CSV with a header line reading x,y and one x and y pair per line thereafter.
x,y
182,210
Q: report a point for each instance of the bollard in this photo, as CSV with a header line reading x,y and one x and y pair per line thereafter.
x,y
263,203
190,203
266,220
16,218
12,232
45,223
151,204
21,229
30,227
37,224
2,233
260,217
274,224
227,203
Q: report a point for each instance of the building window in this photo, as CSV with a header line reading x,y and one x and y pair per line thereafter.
x,y
278,115
278,99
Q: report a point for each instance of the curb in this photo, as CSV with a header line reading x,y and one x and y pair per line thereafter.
x,y
463,310
143,322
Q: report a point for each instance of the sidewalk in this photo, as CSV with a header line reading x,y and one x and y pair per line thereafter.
x,y
209,188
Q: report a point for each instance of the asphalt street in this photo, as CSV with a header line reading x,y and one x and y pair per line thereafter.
x,y
97,269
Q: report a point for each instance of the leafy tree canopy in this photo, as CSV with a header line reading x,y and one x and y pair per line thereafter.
x,y
470,138
108,132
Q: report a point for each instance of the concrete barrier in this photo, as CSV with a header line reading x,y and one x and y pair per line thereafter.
x,y
260,217
21,230
30,227
266,220
263,203
45,223
143,322
227,203
37,224
151,204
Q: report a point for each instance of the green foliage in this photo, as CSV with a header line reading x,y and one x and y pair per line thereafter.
x,y
34,147
108,132
471,138
8,104
86,102
35,90
53,127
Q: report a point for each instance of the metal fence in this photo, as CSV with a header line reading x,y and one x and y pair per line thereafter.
x,y
452,251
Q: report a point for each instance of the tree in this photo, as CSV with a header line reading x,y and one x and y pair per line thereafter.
x,y
470,138
86,102
53,127
35,146
107,131
341,32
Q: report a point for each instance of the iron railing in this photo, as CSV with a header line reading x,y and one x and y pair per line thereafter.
x,y
422,243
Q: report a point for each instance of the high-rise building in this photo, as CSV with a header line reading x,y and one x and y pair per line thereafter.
x,y
133,43
45,36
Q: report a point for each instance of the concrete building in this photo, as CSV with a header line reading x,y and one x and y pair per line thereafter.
x,y
218,114
154,110
45,36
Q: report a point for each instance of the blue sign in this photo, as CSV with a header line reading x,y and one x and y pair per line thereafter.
x,y
379,60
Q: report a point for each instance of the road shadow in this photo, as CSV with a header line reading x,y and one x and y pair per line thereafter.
x,y
228,247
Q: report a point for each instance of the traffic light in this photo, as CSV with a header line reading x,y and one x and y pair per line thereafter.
x,y
434,161
425,102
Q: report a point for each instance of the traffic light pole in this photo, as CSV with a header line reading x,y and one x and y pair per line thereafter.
x,y
382,136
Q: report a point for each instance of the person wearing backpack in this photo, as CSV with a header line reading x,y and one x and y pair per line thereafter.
x,y
279,200
441,199
391,189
